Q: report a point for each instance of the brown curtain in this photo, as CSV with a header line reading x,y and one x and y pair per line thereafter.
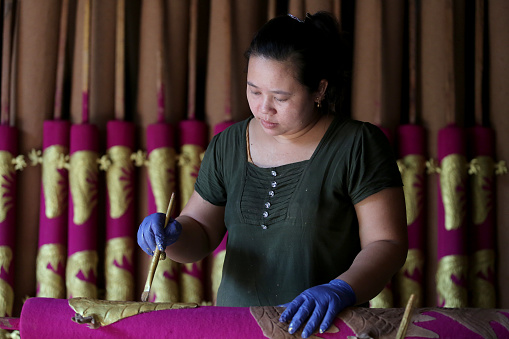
x,y
380,88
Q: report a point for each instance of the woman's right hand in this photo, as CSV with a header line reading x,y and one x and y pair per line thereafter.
x,y
152,233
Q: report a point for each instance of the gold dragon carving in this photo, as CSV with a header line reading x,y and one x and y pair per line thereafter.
x,y
118,180
7,173
83,174
54,183
86,262
6,291
119,282
453,177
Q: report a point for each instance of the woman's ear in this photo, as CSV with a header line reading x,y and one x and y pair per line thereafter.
x,y
322,87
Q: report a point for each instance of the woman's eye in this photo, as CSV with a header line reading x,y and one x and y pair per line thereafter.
x,y
280,100
255,93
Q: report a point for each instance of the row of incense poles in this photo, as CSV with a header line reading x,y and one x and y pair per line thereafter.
x,y
465,275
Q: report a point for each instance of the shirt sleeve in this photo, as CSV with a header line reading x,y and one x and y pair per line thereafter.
x,y
210,182
372,165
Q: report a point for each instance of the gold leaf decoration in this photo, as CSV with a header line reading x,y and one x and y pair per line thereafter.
x,y
189,165
483,268
165,286
414,266
413,185
217,272
161,172
119,281
84,262
452,185
83,175
481,185
54,182
102,312
191,287
450,294
384,299
119,180
7,178
50,283
6,291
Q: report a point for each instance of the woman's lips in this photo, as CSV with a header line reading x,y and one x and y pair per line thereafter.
x,y
267,124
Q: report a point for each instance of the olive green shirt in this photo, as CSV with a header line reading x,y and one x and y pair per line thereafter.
x,y
294,226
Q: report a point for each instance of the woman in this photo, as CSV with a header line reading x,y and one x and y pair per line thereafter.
x,y
311,199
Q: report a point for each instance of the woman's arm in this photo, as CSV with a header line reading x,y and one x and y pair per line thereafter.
x,y
384,243
202,230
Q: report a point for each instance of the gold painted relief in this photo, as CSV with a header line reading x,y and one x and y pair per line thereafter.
x,y
84,262
161,172
118,180
83,175
449,293
189,165
50,284
217,272
483,291
384,299
481,185
119,282
7,175
452,185
99,313
54,183
165,289
6,291
406,287
413,172
191,288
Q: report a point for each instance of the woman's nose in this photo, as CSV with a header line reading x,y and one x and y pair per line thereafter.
x,y
266,106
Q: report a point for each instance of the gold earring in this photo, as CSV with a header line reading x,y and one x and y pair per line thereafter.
x,y
319,103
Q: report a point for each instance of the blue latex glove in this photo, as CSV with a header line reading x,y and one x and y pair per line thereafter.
x,y
152,233
319,305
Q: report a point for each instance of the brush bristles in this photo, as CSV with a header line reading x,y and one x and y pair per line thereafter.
x,y
144,296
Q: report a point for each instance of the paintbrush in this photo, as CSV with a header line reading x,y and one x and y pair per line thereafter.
x,y
406,318
157,255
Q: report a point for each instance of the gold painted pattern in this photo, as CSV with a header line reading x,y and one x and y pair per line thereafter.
x,y
189,165
406,286
83,175
413,168
384,299
453,177
165,289
50,284
7,175
161,171
119,282
217,272
118,180
484,174
6,291
191,288
102,312
84,261
449,293
54,183
483,291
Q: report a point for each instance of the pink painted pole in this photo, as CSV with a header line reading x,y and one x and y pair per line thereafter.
x,y
81,270
53,211
483,231
451,276
120,216
8,151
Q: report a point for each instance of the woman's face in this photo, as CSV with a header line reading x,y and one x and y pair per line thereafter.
x,y
282,105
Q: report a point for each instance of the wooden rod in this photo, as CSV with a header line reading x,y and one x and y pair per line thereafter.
x,y
479,59
62,39
120,62
192,59
161,105
6,61
86,62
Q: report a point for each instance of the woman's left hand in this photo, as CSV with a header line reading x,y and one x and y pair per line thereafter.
x,y
319,305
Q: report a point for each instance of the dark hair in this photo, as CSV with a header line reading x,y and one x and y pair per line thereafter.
x,y
317,48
